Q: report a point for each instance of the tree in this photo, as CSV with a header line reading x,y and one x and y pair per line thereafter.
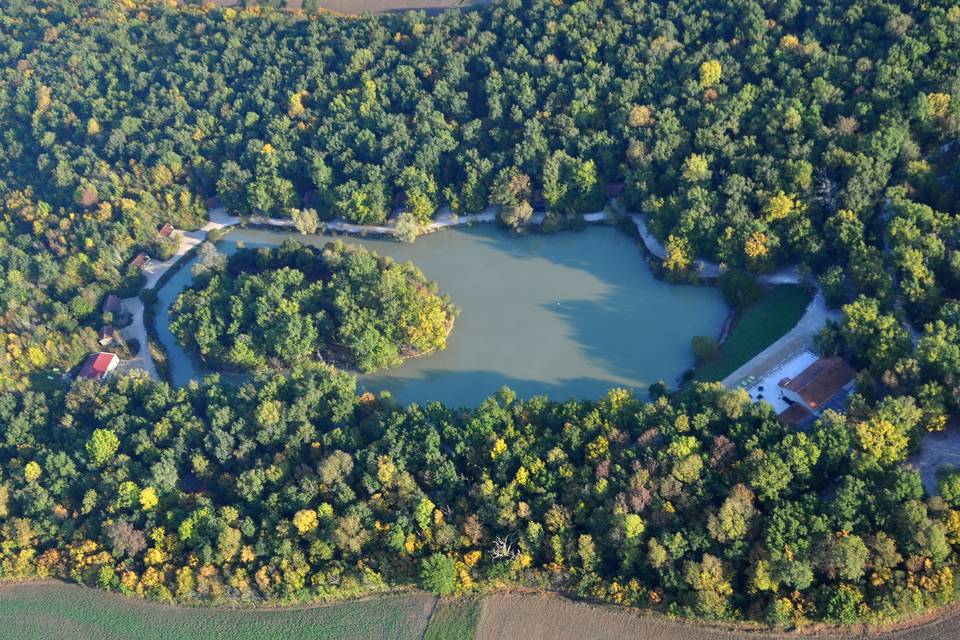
x,y
696,168
710,72
438,574
705,349
102,446
406,228
305,521
32,471
305,220
125,539
878,336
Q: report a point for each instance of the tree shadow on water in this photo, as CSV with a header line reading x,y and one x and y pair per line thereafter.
x,y
470,388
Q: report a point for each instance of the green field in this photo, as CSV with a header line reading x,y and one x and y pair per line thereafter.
x,y
54,611
455,619
758,327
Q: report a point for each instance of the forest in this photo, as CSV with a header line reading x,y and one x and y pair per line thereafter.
x,y
756,134
295,304
293,487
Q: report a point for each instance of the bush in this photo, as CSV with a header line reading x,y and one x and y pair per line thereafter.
x,y
740,289
438,574
948,481
705,349
841,604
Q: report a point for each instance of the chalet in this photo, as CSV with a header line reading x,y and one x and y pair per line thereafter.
x,y
165,230
825,381
112,304
107,335
99,365
817,384
140,261
537,201
797,416
615,189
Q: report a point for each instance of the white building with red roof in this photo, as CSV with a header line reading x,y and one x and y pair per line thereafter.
x,y
99,365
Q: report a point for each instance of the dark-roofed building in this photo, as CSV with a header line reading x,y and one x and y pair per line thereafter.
x,y
797,416
112,304
165,230
615,189
140,260
817,384
107,335
99,365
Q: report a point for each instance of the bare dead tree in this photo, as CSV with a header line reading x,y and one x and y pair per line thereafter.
x,y
503,548
826,190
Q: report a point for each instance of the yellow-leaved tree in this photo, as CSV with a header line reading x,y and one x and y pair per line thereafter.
x,y
710,73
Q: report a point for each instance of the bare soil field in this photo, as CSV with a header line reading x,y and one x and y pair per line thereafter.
x,y
546,617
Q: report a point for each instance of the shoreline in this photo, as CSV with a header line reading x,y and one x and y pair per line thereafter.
x,y
220,222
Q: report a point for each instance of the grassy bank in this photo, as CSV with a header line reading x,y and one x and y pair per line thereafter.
x,y
759,326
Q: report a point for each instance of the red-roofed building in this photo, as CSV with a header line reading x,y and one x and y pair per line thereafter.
x,y
140,261
814,386
99,365
165,230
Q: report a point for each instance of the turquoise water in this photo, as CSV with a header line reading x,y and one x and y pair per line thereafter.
x,y
567,315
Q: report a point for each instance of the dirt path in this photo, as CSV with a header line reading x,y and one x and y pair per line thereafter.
x,y
137,331
154,271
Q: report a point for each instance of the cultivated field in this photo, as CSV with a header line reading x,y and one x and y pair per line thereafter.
x,y
454,619
55,611
544,617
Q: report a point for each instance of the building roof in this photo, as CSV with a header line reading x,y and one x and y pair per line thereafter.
x,y
106,332
98,365
140,260
797,415
165,230
111,304
820,381
615,189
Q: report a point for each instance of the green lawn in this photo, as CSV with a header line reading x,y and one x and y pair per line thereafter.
x,y
758,327
454,619
51,611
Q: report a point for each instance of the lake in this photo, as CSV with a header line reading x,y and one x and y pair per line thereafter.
x,y
566,315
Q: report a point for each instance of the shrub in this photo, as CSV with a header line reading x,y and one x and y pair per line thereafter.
x,y
438,574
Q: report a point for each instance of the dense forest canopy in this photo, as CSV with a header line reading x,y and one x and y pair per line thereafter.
x,y
820,133
295,304
292,487
754,133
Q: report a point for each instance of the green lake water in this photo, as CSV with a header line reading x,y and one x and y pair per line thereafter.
x,y
566,315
